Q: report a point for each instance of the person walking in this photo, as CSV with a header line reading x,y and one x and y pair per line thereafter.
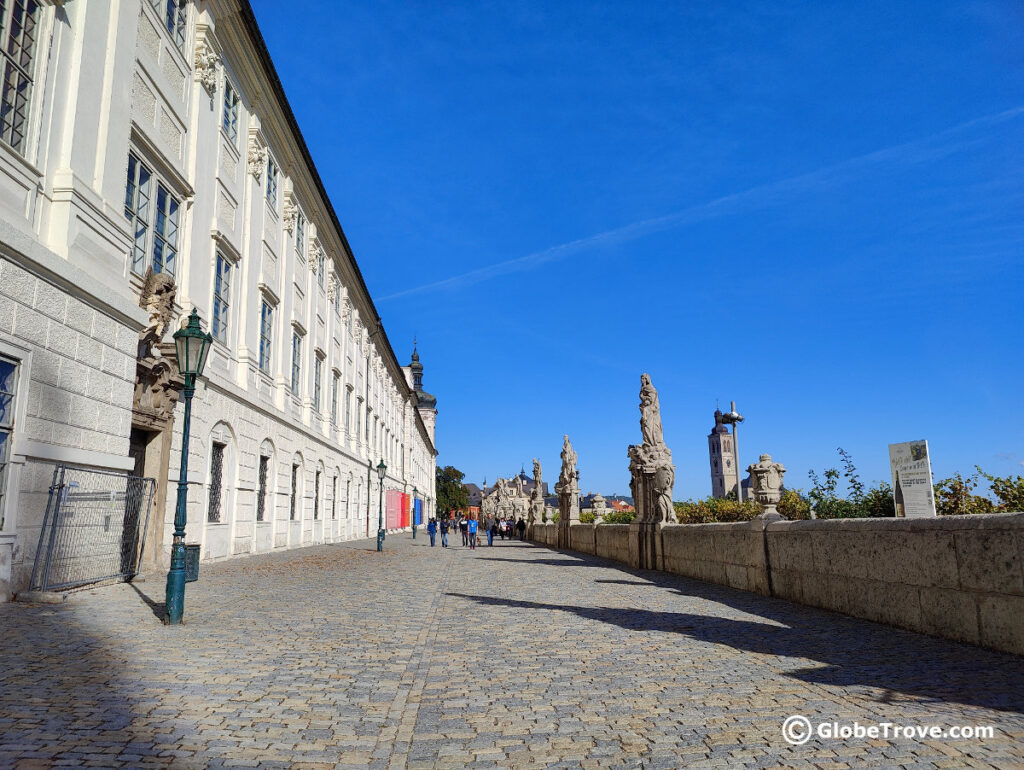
x,y
432,530
521,526
471,527
444,532
491,529
464,529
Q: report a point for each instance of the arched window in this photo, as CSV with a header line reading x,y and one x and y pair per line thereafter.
x,y
295,491
265,482
221,474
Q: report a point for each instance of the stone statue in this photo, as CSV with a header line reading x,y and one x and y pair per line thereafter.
x,y
157,298
568,485
157,381
652,474
650,414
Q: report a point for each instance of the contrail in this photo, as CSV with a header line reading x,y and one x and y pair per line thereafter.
x,y
759,196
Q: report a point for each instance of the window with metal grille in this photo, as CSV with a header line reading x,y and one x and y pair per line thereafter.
x,y
295,492
229,121
334,497
154,228
271,182
316,496
261,494
18,28
221,298
216,480
175,18
318,371
266,335
335,388
296,363
8,393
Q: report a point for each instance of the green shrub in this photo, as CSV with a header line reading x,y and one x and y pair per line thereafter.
x,y
714,509
587,517
619,517
794,505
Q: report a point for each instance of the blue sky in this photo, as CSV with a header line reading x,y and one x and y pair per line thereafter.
x,y
815,209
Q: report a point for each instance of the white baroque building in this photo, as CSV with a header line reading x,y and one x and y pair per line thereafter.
x,y
140,135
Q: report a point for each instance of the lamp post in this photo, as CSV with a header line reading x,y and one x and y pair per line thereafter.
x,y
414,513
191,345
381,470
734,418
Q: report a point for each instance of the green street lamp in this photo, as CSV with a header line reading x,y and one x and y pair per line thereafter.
x,y
381,470
414,513
191,344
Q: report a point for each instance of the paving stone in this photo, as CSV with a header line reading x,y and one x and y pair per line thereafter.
x,y
511,656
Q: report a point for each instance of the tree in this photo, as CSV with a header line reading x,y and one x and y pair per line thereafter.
x,y
451,492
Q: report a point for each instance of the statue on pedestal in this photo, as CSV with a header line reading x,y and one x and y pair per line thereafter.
x,y
536,511
766,477
652,475
157,381
568,485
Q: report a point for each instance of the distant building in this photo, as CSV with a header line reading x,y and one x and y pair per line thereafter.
x,y
723,470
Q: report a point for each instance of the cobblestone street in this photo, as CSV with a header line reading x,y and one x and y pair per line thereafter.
x,y
510,656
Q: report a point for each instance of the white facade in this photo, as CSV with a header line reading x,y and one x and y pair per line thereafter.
x,y
156,135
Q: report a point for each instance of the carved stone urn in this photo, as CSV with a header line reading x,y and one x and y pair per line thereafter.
x,y
766,477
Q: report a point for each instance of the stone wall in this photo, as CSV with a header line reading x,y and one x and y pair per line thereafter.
x,y
959,577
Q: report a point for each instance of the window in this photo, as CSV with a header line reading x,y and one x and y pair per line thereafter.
x,y
366,427
8,392
229,122
300,236
266,335
296,363
261,493
161,250
295,491
318,370
335,387
221,298
216,477
271,182
348,410
17,48
321,268
316,496
334,497
175,18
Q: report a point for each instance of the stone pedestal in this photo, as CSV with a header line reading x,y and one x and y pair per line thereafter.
x,y
645,546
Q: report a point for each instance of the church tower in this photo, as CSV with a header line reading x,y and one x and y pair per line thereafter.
x,y
723,474
426,404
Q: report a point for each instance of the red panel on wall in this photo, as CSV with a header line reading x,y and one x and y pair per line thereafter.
x,y
393,503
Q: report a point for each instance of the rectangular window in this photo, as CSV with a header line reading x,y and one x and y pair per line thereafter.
x,y
295,492
296,363
348,411
137,210
161,221
366,436
318,369
17,50
221,298
266,335
271,183
216,476
8,392
335,388
229,122
261,494
300,236
321,268
334,497
175,19
316,496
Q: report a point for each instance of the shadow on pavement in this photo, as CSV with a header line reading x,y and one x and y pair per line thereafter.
x,y
159,608
894,660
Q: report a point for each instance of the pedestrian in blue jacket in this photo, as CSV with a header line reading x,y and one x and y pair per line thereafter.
x,y
432,530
